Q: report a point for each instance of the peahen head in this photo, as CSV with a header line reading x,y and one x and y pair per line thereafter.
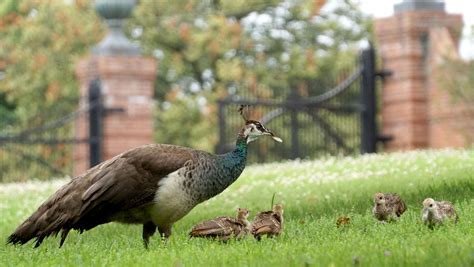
x,y
254,129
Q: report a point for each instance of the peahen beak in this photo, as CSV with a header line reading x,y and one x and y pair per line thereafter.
x,y
274,137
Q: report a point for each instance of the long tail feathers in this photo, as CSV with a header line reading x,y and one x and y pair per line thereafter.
x,y
39,240
24,233
21,238
38,227
64,233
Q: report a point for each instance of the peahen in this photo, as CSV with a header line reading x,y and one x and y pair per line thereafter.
x,y
153,185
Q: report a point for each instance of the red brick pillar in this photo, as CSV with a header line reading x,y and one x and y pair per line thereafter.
x,y
403,41
127,82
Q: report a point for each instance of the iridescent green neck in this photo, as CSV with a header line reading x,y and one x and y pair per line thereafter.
x,y
241,146
234,161
224,171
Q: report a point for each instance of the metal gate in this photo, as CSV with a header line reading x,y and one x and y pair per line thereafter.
x,y
43,147
342,120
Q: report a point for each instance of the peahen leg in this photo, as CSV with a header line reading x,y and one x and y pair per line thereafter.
x,y
165,231
148,230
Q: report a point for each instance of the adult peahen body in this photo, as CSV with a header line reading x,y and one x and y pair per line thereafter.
x,y
153,185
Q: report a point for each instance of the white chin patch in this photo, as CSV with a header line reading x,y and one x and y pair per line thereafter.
x,y
251,138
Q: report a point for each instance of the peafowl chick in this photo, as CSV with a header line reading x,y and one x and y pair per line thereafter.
x,y
342,221
269,223
388,207
224,228
153,185
436,212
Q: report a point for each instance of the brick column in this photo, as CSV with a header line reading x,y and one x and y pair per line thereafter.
x,y
403,41
127,82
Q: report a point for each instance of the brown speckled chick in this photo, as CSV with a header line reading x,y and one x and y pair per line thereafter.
x,y
224,228
342,221
388,207
436,212
268,223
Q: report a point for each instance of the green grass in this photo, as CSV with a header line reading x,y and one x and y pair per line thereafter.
x,y
314,194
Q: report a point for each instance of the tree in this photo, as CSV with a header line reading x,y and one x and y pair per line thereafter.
x,y
39,43
457,78
206,50
209,49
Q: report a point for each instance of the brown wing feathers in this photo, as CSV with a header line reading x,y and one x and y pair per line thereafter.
x,y
220,226
401,208
447,208
127,181
266,223
396,202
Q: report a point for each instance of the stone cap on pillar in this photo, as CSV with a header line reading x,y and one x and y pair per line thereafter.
x,y
419,5
115,12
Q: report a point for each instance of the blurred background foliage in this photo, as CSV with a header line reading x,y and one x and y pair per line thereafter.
x,y
40,42
457,78
205,50
266,48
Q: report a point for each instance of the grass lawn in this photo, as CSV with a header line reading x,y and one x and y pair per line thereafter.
x,y
314,194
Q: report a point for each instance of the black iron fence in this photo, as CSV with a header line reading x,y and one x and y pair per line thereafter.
x,y
341,120
42,146
335,118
